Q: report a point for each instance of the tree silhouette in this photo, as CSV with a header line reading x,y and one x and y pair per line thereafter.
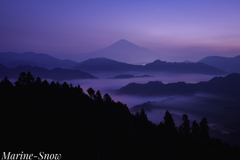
x,y
168,120
137,114
65,86
195,128
79,89
169,124
58,84
52,84
98,96
91,92
29,79
6,83
143,115
45,84
204,128
21,79
160,126
185,126
95,132
107,98
38,82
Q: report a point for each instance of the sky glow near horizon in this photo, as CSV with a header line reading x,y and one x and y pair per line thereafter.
x,y
180,28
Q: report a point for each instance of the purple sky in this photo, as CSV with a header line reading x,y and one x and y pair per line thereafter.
x,y
173,27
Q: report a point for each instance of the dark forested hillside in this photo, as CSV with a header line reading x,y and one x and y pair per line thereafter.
x,y
228,85
181,67
55,74
38,115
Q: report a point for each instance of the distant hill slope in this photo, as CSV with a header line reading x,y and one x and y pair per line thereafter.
x,y
125,51
11,59
127,76
182,67
228,85
54,74
108,65
230,65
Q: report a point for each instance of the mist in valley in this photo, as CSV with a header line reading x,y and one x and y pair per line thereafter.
x,y
106,85
221,112
173,103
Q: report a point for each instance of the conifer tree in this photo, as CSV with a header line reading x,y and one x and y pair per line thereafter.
x,y
204,128
195,128
168,122
21,79
6,83
137,114
107,98
98,96
143,115
185,126
91,92
30,79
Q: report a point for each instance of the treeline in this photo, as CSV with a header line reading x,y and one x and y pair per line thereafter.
x,y
60,118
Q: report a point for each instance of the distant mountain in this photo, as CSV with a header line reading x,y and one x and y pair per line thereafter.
x,y
125,51
228,85
231,65
108,65
12,60
188,61
127,76
182,67
54,74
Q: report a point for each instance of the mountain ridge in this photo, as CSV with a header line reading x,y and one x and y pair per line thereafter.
x,y
108,65
54,74
12,60
124,51
227,85
229,64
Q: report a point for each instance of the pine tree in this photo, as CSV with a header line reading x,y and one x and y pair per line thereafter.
x,y
91,92
185,126
168,122
137,114
107,98
204,128
6,83
98,96
195,128
21,79
143,115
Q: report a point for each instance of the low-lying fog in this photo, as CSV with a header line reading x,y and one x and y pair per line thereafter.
x,y
106,85
221,112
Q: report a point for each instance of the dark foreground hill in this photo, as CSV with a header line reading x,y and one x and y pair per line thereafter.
x,y
108,65
55,74
222,113
231,65
228,85
61,119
